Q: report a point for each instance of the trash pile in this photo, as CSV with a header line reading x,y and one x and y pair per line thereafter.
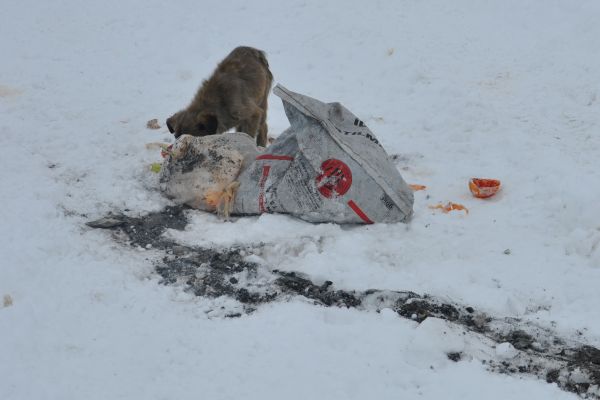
x,y
326,167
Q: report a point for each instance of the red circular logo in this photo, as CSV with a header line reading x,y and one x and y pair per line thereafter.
x,y
335,178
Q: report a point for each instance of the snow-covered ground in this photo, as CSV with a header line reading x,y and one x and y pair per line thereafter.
x,y
505,89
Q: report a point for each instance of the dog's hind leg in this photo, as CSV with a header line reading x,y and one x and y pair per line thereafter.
x,y
261,139
251,124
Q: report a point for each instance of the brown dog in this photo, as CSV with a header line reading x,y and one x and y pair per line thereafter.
x,y
235,96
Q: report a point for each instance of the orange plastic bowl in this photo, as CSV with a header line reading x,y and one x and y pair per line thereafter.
x,y
484,188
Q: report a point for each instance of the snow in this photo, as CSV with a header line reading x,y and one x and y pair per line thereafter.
x,y
506,350
504,89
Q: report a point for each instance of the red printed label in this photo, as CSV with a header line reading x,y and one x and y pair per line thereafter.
x,y
335,178
274,157
361,214
261,185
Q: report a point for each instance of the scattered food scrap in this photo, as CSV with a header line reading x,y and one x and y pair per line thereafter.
x,y
450,206
166,150
7,301
416,188
153,124
155,167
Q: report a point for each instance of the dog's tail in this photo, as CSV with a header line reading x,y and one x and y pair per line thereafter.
x,y
258,54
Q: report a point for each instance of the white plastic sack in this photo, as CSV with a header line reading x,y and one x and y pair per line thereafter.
x,y
199,170
326,167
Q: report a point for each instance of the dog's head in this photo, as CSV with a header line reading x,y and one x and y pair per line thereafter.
x,y
195,124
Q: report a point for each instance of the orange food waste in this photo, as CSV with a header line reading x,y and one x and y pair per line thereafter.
x,y
416,188
450,206
484,188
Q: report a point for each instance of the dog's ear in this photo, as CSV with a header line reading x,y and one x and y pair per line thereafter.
x,y
174,122
211,124
170,124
